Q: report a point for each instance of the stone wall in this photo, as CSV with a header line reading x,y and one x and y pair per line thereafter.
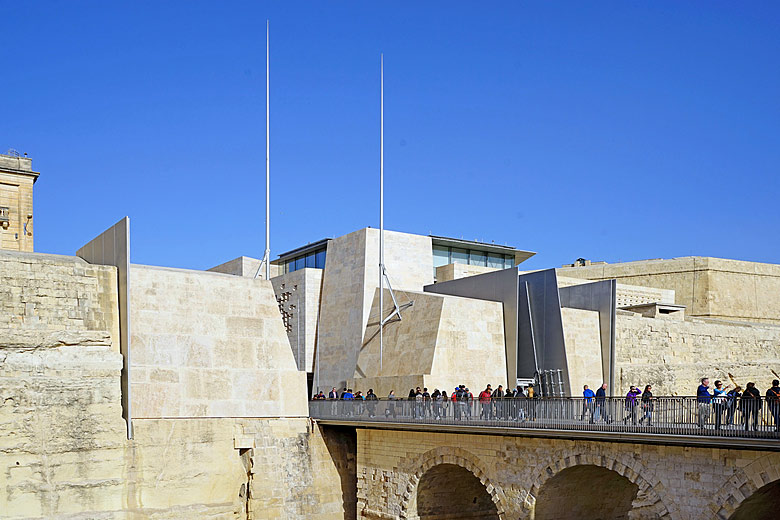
x,y
581,334
348,286
710,287
209,345
673,355
441,341
454,271
57,293
63,446
669,482
298,294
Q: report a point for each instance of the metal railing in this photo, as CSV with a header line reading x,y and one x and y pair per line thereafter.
x,y
661,415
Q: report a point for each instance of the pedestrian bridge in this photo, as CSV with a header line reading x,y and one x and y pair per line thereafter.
x,y
545,459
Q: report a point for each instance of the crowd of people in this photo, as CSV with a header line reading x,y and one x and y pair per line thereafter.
x,y
719,403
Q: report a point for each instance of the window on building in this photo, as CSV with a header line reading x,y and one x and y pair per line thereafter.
x,y
459,256
509,261
319,259
495,261
310,262
300,262
478,258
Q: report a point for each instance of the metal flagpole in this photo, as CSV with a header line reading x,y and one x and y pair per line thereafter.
x,y
267,158
267,254
381,203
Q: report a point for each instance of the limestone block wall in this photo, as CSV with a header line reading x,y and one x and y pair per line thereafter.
x,y
441,341
298,294
673,355
63,447
209,345
671,482
581,335
62,436
710,287
54,292
350,280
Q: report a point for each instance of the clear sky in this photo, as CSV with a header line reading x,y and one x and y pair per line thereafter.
x,y
606,130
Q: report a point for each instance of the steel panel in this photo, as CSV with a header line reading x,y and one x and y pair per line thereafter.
x,y
600,297
112,247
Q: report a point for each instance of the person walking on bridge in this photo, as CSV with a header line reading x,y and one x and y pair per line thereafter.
x,y
719,402
484,401
631,405
371,400
647,405
600,410
497,398
390,404
703,399
587,403
773,402
751,405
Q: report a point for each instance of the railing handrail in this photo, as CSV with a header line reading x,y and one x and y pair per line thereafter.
x,y
690,416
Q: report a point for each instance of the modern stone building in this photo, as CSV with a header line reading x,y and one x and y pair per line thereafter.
x,y
134,392
662,322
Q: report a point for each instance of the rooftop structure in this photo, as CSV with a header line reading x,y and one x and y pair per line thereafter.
x,y
16,201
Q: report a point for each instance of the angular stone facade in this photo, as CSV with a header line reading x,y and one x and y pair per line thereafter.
x,y
440,342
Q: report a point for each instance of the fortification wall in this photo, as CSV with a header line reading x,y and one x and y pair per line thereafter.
x,y
63,446
710,287
673,355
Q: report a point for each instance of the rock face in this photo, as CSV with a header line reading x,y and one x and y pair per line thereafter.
x,y
63,446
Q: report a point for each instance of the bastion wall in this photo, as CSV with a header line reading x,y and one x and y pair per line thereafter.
x,y
64,451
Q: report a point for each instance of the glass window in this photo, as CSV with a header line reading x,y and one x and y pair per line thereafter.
x,y
300,262
310,260
319,259
478,258
459,256
441,256
495,261
509,261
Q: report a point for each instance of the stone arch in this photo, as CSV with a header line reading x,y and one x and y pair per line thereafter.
x,y
743,484
417,467
646,504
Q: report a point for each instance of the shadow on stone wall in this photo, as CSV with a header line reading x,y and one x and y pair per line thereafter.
x,y
342,446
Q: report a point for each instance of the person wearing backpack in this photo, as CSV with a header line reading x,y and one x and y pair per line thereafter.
x,y
773,402
371,400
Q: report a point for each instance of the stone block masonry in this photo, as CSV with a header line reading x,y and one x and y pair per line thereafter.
x,y
518,474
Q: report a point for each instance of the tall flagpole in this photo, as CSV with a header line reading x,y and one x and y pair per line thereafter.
x,y
267,254
381,202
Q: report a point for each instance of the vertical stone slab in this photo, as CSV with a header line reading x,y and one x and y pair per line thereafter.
x,y
112,247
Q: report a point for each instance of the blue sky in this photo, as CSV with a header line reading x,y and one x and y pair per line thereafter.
x,y
606,130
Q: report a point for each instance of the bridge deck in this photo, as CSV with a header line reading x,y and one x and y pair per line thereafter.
x,y
673,421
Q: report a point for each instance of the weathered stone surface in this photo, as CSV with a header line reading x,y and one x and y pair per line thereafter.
x,y
440,341
674,355
711,287
517,473
349,283
209,345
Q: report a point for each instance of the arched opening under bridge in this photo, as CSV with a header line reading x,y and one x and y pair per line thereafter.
x,y
586,492
764,504
449,491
